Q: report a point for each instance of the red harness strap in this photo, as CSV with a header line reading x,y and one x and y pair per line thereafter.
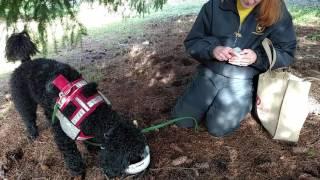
x,y
71,93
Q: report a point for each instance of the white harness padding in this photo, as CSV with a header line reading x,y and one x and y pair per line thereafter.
x,y
70,129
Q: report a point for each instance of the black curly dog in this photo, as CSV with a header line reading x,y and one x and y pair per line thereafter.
x,y
31,85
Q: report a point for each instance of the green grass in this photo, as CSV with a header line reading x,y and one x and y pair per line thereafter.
x,y
134,26
301,16
4,75
305,16
6,69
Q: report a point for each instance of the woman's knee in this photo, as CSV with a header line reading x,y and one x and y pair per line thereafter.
x,y
195,101
221,131
221,123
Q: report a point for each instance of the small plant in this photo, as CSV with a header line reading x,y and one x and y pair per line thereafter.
x,y
314,36
312,153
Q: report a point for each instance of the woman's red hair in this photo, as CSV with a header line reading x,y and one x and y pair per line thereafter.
x,y
269,12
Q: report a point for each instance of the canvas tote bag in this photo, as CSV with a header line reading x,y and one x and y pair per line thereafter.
x,y
282,100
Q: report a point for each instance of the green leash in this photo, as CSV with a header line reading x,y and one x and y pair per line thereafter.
x,y
145,130
166,123
55,109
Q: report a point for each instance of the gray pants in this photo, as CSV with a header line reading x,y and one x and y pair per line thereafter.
x,y
221,101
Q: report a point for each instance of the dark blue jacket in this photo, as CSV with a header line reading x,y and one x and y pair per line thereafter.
x,y
217,25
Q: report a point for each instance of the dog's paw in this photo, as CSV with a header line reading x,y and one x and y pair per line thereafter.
x,y
33,135
75,165
32,132
79,177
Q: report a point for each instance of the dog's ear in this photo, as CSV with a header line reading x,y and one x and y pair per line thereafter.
x,y
89,89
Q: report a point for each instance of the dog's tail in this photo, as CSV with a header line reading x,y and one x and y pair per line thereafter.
x,y
19,47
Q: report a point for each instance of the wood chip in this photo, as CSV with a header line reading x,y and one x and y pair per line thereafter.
x,y
176,148
299,150
180,160
204,165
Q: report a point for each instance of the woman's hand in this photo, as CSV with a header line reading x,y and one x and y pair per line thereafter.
x,y
222,53
244,58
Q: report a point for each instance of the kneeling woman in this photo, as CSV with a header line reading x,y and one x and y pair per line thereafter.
x,y
226,39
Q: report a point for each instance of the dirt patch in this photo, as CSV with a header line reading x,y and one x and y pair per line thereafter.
x,y
143,76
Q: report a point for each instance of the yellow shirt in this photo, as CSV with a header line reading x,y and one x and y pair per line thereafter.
x,y
243,12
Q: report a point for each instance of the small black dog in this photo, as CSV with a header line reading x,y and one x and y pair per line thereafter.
x,y
32,83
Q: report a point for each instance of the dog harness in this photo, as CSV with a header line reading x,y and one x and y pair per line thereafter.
x,y
70,92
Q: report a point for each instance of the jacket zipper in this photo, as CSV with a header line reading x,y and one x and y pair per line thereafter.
x,y
237,35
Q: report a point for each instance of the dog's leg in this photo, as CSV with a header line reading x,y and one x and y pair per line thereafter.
x,y
27,108
68,147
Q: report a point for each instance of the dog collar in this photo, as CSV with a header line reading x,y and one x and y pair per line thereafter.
x,y
70,92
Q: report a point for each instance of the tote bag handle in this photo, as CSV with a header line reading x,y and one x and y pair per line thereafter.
x,y
272,56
